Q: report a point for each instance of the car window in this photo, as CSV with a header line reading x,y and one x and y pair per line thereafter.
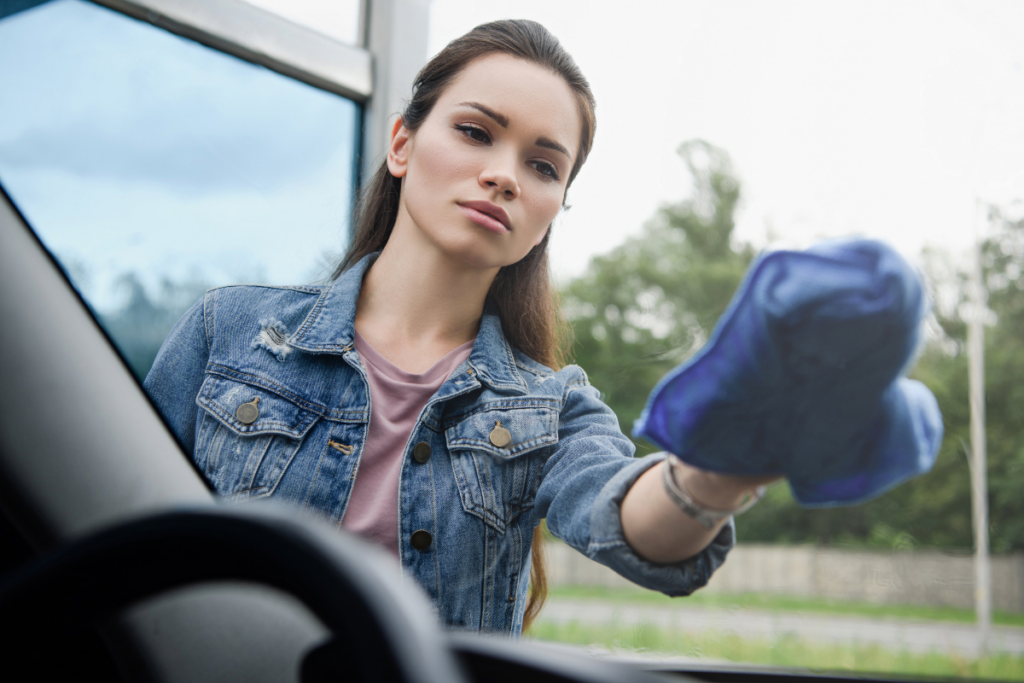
x,y
730,129
154,168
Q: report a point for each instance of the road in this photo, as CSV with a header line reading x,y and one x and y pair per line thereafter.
x,y
896,634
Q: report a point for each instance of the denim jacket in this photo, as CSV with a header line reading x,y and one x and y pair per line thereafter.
x,y
265,389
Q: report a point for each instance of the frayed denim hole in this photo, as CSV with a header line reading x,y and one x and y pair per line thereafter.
x,y
273,337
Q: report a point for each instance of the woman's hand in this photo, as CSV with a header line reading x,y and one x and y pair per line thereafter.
x,y
658,530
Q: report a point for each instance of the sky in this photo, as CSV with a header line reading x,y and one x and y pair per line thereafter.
x,y
885,119
131,150
882,119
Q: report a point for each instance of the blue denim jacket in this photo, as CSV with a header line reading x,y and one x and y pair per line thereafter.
x,y
292,349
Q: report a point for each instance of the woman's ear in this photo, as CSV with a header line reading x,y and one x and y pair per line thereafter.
x,y
398,150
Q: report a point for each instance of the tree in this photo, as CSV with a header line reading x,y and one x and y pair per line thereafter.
x,y
649,304
935,509
643,308
139,327
1002,260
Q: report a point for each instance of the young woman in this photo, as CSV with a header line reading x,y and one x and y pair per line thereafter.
x,y
417,399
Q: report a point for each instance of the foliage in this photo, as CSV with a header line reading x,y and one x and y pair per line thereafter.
x,y
650,303
140,326
643,308
935,509
1003,257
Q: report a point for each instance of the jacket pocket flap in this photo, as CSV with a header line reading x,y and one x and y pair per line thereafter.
x,y
505,429
246,409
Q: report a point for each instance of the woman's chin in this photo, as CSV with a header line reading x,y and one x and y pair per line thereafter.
x,y
477,255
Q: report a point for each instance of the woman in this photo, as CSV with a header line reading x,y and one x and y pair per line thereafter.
x,y
441,317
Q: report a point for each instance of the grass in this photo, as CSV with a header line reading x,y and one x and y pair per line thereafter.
x,y
781,603
787,651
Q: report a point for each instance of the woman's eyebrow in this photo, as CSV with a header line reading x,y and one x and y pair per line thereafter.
x,y
551,144
502,121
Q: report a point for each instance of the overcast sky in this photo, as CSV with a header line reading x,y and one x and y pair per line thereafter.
x,y
132,150
878,118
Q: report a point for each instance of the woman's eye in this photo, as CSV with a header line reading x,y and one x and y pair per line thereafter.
x,y
473,133
546,169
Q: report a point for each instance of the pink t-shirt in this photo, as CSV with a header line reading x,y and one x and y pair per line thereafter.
x,y
396,399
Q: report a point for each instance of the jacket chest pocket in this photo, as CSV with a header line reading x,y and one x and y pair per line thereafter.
x,y
498,454
247,436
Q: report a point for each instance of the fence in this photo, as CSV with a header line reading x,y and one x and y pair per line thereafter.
x,y
900,577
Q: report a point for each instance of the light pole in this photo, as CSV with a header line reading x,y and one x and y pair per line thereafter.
x,y
979,478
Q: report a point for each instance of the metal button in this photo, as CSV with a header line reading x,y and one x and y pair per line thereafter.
x,y
421,540
342,448
500,436
248,412
421,452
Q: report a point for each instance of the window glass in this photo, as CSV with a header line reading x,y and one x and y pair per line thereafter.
x,y
727,129
154,168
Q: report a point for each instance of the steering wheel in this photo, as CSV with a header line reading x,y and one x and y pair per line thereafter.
x,y
384,627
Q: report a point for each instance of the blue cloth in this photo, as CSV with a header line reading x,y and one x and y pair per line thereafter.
x,y
803,377
293,349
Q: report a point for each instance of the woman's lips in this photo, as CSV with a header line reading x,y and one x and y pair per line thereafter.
x,y
487,215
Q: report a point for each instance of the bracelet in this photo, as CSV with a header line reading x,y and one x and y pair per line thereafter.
x,y
707,517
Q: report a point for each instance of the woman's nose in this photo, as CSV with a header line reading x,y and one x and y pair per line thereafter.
x,y
500,175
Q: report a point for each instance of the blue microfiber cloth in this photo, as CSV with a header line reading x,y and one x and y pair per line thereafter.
x,y
803,377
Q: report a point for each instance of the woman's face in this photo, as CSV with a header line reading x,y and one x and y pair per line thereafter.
x,y
485,174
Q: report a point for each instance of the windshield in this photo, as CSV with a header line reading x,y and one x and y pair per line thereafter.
x,y
154,168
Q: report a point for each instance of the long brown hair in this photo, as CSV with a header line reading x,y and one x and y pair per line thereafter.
x,y
522,292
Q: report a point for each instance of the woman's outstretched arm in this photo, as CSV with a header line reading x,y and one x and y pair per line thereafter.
x,y
658,530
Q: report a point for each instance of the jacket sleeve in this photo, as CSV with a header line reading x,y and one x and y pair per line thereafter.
x,y
177,374
584,483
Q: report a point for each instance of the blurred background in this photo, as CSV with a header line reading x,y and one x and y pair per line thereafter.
x,y
154,168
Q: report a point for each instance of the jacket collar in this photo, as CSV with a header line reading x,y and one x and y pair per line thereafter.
x,y
492,357
330,328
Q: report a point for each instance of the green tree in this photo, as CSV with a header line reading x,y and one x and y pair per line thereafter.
x,y
1002,259
643,308
935,509
139,328
647,305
